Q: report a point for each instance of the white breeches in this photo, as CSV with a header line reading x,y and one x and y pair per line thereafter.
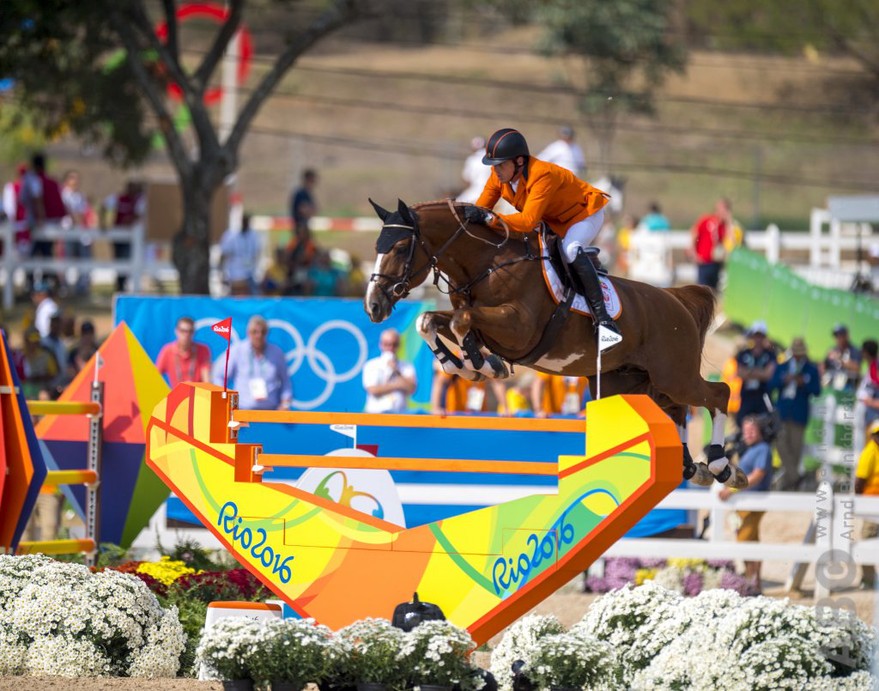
x,y
581,234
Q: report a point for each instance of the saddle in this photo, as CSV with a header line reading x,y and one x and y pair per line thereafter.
x,y
553,245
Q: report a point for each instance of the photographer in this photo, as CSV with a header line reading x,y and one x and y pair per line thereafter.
x,y
796,380
388,380
756,366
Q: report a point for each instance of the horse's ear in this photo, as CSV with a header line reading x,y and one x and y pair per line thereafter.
x,y
382,213
404,211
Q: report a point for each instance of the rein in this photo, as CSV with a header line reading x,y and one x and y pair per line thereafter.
x,y
400,287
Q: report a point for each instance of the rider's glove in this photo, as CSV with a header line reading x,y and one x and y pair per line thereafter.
x,y
475,214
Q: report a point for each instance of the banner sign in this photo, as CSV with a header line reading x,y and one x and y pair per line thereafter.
x,y
326,340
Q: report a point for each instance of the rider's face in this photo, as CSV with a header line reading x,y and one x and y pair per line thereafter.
x,y
505,171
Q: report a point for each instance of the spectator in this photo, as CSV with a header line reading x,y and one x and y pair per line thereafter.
x,y
451,393
53,343
756,463
518,395
565,152
257,370
15,212
16,355
388,380
627,226
868,390
841,367
756,367
240,254
867,482
323,279
76,220
301,249
475,174
46,307
275,278
41,198
708,250
40,367
124,211
553,394
796,380
183,359
654,220
83,349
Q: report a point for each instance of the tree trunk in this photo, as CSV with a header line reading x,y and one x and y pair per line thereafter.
x,y
192,243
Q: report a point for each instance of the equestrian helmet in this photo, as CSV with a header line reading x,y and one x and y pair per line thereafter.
x,y
505,145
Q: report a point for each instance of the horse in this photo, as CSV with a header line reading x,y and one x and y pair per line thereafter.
x,y
502,315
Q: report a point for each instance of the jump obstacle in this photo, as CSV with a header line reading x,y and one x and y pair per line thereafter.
x,y
17,474
485,567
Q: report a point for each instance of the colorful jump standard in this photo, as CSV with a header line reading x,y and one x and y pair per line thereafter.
x,y
485,567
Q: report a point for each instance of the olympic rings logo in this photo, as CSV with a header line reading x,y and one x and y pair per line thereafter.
x,y
302,352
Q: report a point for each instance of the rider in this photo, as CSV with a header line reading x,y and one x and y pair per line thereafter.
x,y
573,209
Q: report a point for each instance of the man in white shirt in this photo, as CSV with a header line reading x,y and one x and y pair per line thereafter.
x,y
46,308
388,380
565,152
241,252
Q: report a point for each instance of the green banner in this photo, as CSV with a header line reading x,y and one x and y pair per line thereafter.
x,y
791,306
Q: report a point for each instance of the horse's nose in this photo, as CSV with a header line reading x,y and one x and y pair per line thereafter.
x,y
374,311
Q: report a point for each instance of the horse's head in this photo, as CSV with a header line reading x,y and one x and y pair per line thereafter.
x,y
393,274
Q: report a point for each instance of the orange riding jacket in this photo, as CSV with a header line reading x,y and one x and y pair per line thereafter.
x,y
546,192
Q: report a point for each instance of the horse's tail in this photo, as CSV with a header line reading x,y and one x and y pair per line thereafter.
x,y
700,302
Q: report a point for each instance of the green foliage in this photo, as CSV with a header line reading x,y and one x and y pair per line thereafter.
x,y
626,48
191,553
55,51
112,555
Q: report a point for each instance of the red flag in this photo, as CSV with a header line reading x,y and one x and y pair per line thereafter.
x,y
223,328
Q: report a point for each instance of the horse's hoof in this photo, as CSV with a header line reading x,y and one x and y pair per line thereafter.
x,y
737,478
689,470
702,476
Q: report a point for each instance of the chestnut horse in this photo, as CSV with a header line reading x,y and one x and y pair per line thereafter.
x,y
501,308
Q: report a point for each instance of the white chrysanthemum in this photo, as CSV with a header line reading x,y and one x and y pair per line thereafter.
x,y
65,657
518,643
110,612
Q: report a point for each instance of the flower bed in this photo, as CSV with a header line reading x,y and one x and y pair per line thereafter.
x,y
685,576
61,619
649,637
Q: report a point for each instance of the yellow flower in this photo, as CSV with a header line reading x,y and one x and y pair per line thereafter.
x,y
165,571
642,575
684,564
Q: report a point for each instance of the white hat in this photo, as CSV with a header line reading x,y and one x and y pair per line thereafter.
x,y
758,327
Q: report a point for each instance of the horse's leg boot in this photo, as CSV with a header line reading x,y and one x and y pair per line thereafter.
x,y
585,269
472,352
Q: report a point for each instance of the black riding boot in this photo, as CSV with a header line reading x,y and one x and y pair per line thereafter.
x,y
585,269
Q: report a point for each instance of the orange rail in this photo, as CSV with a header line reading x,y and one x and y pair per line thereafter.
x,y
511,424
452,465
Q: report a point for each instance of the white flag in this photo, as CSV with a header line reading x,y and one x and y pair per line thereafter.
x,y
347,430
607,338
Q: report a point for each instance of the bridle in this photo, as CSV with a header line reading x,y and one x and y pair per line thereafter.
x,y
391,233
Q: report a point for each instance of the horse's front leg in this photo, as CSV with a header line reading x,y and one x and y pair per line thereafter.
x,y
429,325
499,322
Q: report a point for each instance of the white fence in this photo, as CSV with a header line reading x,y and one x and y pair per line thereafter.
x,y
834,550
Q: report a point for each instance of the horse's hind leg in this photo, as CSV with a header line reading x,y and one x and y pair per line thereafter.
x,y
714,396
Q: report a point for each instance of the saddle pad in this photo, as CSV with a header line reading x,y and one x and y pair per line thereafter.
x,y
557,290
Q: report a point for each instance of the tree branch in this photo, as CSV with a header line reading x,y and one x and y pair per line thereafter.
x,y
171,23
221,42
153,95
339,14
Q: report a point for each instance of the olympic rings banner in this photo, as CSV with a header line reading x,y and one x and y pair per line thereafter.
x,y
326,340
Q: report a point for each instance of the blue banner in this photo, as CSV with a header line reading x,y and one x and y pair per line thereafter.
x,y
326,340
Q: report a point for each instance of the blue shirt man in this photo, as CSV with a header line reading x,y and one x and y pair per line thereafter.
x,y
257,370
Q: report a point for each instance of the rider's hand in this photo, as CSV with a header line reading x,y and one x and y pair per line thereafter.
x,y
475,214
